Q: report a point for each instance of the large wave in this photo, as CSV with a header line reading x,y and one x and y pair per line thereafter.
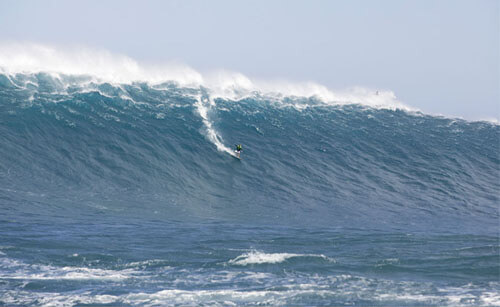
x,y
91,131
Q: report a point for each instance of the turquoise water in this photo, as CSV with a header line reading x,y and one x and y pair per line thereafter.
x,y
127,195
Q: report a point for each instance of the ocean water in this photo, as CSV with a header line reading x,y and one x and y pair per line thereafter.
x,y
127,194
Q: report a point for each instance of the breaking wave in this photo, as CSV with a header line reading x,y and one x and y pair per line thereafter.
x,y
256,257
167,146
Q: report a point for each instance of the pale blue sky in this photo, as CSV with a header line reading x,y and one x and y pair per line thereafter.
x,y
439,56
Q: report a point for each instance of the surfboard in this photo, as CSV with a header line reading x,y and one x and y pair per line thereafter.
x,y
237,155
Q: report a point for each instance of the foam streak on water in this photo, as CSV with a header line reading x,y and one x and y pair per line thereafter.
x,y
203,107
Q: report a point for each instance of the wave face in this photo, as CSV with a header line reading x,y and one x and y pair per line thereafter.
x,y
165,150
131,190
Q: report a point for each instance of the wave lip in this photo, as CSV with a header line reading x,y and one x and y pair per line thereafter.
x,y
104,66
256,257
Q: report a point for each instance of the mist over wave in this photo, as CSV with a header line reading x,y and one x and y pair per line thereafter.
x,y
104,66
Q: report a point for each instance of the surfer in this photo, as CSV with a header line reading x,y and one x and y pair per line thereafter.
x,y
238,150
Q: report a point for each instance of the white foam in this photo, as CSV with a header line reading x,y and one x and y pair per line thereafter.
x,y
203,105
105,66
146,263
490,298
255,257
15,269
272,290
69,273
78,60
236,86
47,299
226,297
491,120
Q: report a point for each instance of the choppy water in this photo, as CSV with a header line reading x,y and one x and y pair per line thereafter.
x,y
127,195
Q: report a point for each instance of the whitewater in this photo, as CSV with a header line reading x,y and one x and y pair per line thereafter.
x,y
118,187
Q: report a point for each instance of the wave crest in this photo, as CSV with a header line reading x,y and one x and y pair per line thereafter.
x,y
105,66
256,257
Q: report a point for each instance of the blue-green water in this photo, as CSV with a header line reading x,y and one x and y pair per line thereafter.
x,y
117,195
